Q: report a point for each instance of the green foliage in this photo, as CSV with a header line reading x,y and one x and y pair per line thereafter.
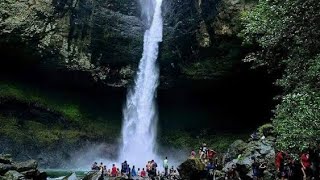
x,y
266,129
185,140
33,96
297,120
206,69
282,30
78,125
9,127
286,37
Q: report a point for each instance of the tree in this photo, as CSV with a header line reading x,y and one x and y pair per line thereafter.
x,y
286,35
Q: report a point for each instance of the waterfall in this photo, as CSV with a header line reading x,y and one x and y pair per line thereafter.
x,y
140,112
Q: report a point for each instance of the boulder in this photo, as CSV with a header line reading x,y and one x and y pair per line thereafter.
x,y
72,176
262,150
92,175
192,169
26,165
237,147
20,170
30,173
41,176
5,158
269,175
5,168
13,175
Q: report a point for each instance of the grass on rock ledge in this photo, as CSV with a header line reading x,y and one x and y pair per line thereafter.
x,y
33,96
81,125
219,142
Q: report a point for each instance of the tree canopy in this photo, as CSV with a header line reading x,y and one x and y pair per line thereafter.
x,y
286,37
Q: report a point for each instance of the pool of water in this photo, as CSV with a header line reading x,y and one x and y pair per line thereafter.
x,y
56,174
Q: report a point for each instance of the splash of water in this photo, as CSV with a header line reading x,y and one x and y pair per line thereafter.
x,y
140,113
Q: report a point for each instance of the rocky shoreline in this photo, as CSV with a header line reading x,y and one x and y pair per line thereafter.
x,y
11,170
240,156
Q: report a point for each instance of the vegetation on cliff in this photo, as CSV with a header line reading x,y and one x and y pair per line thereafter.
x,y
30,115
286,36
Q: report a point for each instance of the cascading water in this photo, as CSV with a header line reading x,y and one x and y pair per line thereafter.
x,y
140,113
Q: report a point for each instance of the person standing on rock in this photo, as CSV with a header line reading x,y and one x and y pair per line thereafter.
x,y
261,170
124,167
193,154
101,167
148,167
255,169
133,172
279,162
128,173
203,151
95,166
306,164
114,171
143,173
154,168
171,170
314,154
165,166
139,172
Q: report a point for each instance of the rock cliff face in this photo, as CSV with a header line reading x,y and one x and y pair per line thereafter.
x,y
201,36
104,38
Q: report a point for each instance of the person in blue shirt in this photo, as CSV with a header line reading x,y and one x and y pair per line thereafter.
x,y
133,172
210,169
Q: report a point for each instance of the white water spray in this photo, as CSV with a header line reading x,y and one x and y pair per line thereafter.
x,y
140,113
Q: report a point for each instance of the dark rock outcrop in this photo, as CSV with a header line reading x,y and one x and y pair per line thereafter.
x,y
103,39
201,37
92,175
5,158
6,167
21,170
13,175
26,165
240,157
242,154
192,169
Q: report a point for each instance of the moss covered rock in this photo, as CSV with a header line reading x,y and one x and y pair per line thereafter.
x,y
192,169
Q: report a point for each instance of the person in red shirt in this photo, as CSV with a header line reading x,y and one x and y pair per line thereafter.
x,y
279,160
280,165
306,164
210,154
143,173
193,154
114,171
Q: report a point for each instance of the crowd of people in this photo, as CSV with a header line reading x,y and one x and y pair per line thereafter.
x,y
149,172
304,168
205,154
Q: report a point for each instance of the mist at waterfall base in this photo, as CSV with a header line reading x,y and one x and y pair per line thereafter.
x,y
83,158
